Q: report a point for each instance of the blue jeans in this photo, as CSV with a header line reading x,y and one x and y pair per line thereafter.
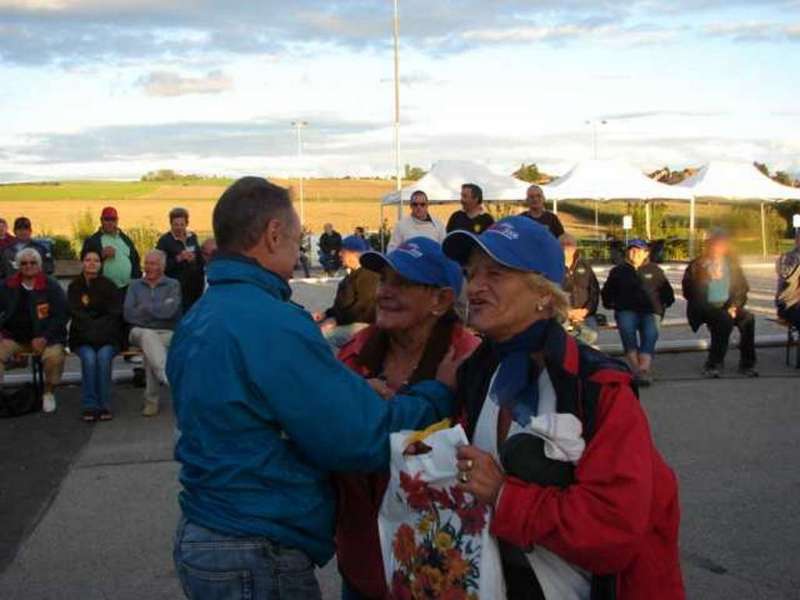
x,y
96,375
216,566
646,325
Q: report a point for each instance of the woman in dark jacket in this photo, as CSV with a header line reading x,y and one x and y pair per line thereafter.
x,y
96,334
184,260
639,294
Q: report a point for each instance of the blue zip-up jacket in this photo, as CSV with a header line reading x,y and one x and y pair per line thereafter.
x,y
266,413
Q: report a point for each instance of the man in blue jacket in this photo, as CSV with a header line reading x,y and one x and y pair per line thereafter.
x,y
265,414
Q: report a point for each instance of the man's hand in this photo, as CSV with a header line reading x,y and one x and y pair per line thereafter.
x,y
189,256
577,315
327,325
109,252
733,311
318,316
448,368
479,474
380,388
38,344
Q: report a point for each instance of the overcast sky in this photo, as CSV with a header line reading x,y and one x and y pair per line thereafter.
x,y
114,88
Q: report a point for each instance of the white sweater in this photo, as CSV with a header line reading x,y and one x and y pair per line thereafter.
x,y
409,227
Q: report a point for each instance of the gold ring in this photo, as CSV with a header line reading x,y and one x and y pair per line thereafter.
x,y
470,464
463,477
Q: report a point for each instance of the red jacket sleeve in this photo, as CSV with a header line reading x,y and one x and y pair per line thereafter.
x,y
599,522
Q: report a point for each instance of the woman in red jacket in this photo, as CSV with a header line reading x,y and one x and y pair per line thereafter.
x,y
415,328
585,506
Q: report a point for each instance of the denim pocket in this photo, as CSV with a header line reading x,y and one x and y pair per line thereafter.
x,y
215,585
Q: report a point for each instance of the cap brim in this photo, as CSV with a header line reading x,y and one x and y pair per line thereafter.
x,y
458,246
375,261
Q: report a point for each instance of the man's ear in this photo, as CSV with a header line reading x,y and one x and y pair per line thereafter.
x,y
272,235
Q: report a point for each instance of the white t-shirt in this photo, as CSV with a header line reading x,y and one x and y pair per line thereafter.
x,y
409,227
559,579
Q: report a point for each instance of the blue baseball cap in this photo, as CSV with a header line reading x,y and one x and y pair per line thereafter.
x,y
355,243
637,243
518,243
419,260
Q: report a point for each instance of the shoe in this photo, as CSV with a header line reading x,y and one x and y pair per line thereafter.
x,y
150,409
712,372
644,379
748,371
104,415
89,415
48,402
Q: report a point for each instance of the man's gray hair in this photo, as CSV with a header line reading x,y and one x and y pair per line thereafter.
x,y
29,252
245,209
160,254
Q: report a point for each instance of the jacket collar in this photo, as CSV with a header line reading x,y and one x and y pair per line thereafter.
x,y
39,283
235,268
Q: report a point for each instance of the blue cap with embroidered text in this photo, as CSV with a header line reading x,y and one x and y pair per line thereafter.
x,y
420,260
637,243
355,243
517,242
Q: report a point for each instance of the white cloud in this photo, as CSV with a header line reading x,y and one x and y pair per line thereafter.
x,y
165,83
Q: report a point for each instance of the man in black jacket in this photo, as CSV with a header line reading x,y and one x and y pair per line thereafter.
x,y
580,283
330,243
472,217
715,289
121,262
354,306
33,318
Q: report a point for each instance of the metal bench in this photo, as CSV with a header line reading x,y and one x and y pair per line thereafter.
x,y
792,340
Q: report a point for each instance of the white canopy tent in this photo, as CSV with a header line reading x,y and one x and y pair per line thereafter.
x,y
604,180
443,183
735,182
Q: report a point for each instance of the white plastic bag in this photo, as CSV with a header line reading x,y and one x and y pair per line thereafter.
x,y
435,538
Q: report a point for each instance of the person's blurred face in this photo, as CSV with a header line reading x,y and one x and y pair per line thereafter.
x,y
109,225
29,267
23,233
535,199
91,264
468,201
328,228
178,226
208,249
286,251
501,302
403,305
350,259
637,256
3,229
719,248
153,267
419,207
569,253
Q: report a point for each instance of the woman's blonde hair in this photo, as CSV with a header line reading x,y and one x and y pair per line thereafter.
x,y
559,301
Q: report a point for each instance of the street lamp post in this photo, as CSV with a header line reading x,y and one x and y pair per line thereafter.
x,y
398,176
299,125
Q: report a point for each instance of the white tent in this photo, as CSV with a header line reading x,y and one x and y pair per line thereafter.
x,y
443,183
602,180
735,182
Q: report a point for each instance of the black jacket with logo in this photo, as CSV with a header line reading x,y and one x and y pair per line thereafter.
x,y
642,290
581,284
96,310
49,312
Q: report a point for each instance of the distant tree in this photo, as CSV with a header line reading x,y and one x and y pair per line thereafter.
x,y
528,173
784,178
762,167
414,173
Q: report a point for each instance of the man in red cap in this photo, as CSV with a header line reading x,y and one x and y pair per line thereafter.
x,y
121,261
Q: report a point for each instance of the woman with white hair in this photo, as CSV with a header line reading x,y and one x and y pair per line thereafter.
x,y
33,318
585,506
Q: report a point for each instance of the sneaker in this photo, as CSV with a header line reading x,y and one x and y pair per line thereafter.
x,y
48,402
748,371
712,372
150,409
644,379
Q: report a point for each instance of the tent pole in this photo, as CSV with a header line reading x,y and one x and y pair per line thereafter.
x,y
555,207
763,231
647,219
596,219
691,226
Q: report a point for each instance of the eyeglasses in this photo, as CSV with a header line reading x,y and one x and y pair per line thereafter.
x,y
418,205
27,263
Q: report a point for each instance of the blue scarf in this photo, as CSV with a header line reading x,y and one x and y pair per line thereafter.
x,y
516,385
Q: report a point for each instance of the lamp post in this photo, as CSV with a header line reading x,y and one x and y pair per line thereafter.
x,y
398,176
299,126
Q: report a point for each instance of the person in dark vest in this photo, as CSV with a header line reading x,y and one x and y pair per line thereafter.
x,y
354,306
537,211
580,283
715,290
121,261
330,243
185,262
96,334
472,216
584,504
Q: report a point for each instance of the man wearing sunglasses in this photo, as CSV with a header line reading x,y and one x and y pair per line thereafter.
x,y
121,262
418,224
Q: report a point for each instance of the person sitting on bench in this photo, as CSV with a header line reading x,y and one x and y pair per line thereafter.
x,y
33,318
715,289
787,298
153,308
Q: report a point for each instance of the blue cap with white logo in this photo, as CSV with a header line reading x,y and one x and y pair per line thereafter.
x,y
355,243
637,243
420,260
518,243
